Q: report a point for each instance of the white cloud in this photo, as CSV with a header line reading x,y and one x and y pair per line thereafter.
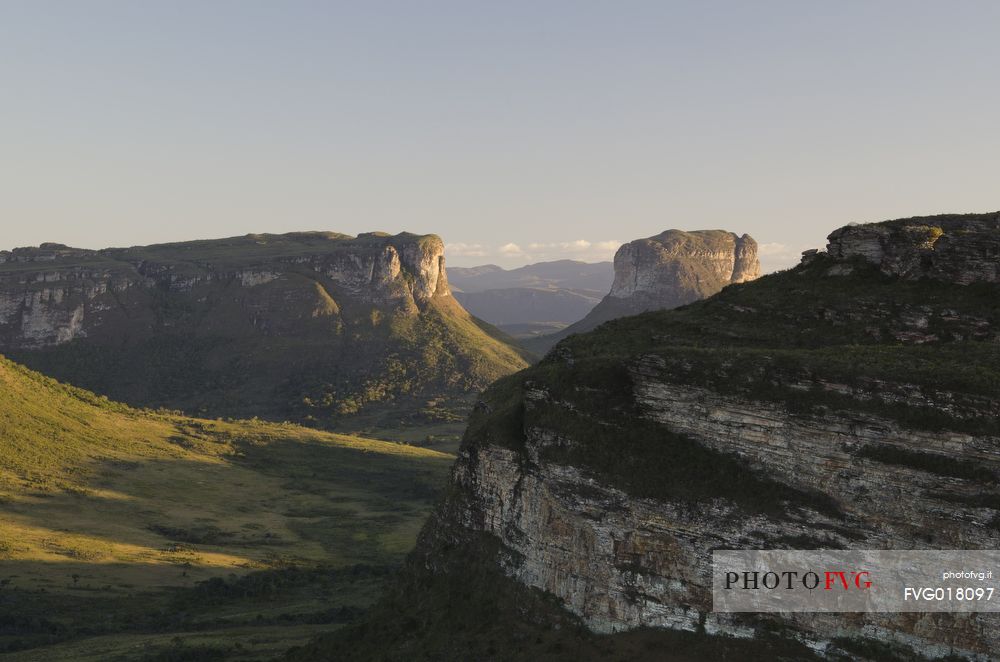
x,y
466,250
773,255
773,248
578,246
577,249
776,255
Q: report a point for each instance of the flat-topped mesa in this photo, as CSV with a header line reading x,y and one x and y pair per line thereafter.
x,y
384,268
52,293
671,269
677,267
374,266
310,326
956,248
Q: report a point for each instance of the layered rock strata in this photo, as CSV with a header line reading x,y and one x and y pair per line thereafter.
x,y
850,403
307,325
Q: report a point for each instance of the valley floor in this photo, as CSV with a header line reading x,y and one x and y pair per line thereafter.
x,y
202,540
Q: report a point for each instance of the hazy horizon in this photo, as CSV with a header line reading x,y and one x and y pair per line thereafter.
x,y
519,133
772,257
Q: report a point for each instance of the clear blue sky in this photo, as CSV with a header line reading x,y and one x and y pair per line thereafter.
x,y
516,130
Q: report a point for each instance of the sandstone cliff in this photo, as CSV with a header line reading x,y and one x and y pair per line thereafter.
x,y
952,248
302,324
668,270
834,405
52,294
675,267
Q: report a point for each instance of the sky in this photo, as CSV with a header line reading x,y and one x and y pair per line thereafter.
x,y
518,131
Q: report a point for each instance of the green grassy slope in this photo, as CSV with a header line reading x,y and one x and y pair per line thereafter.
x,y
113,519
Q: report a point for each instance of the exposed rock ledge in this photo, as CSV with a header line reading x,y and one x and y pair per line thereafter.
x,y
52,294
954,248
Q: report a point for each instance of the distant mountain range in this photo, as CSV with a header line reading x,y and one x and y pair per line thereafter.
x,y
559,274
540,304
535,299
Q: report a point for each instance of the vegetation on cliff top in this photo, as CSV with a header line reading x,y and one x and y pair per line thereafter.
x,y
782,337
806,308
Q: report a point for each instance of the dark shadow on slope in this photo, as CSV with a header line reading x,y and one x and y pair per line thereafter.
x,y
314,530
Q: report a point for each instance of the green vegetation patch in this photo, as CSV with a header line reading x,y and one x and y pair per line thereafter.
x,y
805,307
896,382
845,648
929,462
121,528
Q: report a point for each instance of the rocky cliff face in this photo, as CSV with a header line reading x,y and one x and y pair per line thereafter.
x,y
622,559
669,270
821,407
677,266
951,248
272,322
52,294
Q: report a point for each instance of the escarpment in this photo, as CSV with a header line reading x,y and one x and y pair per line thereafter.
x,y
668,270
677,267
833,405
309,326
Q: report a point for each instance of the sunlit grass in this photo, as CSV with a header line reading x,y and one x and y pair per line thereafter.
x,y
102,502
31,543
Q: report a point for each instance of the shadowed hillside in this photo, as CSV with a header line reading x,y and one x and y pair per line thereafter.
x,y
311,327
121,529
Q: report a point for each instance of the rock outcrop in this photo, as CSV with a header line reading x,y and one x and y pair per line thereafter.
x,y
52,294
803,410
676,267
269,324
668,270
952,248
